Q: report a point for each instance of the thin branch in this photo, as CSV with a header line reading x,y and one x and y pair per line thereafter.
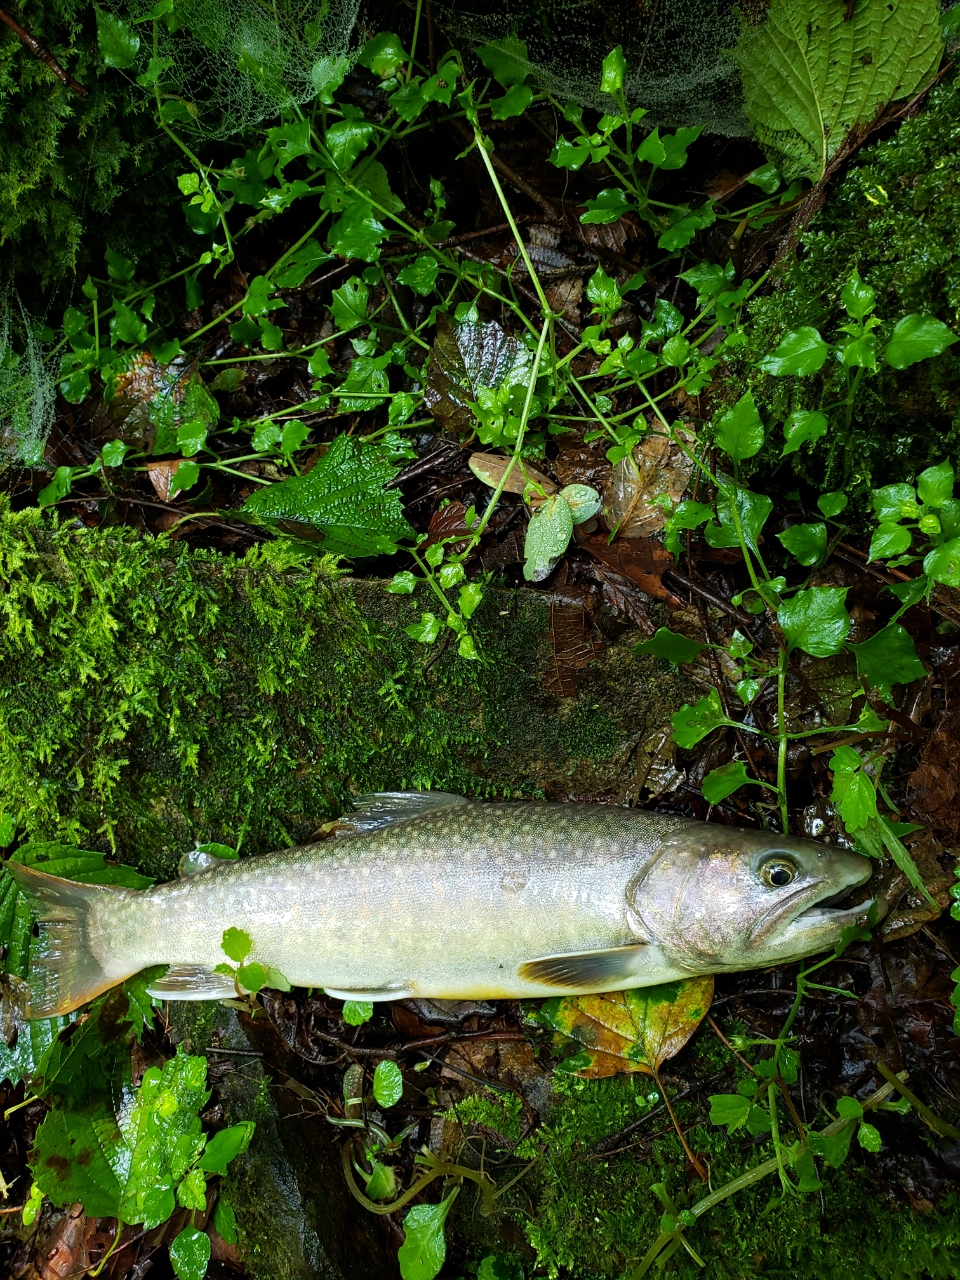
x,y
43,54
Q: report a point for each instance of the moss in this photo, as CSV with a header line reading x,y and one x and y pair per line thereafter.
x,y
152,697
895,217
595,1218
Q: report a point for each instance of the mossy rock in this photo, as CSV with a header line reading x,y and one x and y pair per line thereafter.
x,y
153,697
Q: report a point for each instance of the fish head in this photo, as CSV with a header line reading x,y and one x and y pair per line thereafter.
x,y
718,898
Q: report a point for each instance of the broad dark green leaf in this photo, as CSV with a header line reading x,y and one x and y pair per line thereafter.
x,y
300,264
190,1254
943,563
383,55
895,502
358,233
753,510
806,542
506,60
466,358
915,338
513,103
349,304
343,497
675,146
831,504
118,43
858,298
420,275
346,139
888,658
740,432
816,620
669,645
935,485
889,540
801,351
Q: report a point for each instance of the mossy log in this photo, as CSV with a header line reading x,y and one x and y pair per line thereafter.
x,y
153,697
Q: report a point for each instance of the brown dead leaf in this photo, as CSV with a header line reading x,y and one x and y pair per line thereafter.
x,y
509,550
579,463
658,469
612,235
642,560
448,522
564,297
161,476
723,184
575,644
64,1253
625,1031
490,468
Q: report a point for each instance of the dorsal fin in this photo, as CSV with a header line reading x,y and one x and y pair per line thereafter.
x,y
381,809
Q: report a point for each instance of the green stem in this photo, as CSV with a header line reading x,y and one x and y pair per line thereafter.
x,y
782,740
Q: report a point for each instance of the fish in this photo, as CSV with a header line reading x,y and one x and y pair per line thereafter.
x,y
428,895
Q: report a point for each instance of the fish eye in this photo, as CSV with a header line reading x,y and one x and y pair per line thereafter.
x,y
778,872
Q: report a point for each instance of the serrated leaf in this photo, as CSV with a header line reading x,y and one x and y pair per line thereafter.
x,y
358,233
915,338
814,70
420,275
730,1109
799,352
343,497
816,620
629,1031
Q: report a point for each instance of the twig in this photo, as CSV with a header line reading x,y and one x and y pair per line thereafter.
x,y
43,54
680,1134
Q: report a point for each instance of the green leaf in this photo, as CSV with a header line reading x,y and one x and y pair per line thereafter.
x,y
670,646
804,426
832,1148
346,139
225,1221
226,1146
889,540
8,829
387,1083
609,205
869,1138
675,145
859,352
118,43
357,1012
358,233
679,234
676,352
816,620
753,510
831,504
801,351
301,263
740,432
442,86
349,304
858,298
612,72
853,790
935,485
185,477
690,724
548,536
191,437
426,630
943,563
252,977
849,1108
368,382
506,60
813,70
420,275
424,1248
583,500
343,497
61,484
806,542
190,1253
767,177
651,149
126,325
917,338
895,502
402,583
730,1109
237,945
383,55
513,103
709,279
409,102
723,782
603,293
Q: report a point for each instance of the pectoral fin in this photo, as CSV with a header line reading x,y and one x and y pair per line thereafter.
x,y
190,982
606,970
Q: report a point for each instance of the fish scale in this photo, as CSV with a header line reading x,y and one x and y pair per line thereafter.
x,y
429,895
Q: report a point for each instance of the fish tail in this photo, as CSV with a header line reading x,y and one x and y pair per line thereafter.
x,y
66,968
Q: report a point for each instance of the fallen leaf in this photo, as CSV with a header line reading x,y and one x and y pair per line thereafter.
x,y
161,476
148,402
574,643
465,357
624,1031
658,469
579,463
933,784
490,468
642,560
448,522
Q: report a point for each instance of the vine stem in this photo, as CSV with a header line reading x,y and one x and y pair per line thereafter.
x,y
782,739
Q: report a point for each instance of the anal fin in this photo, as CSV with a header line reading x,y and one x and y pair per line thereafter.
x,y
191,982
605,970
372,993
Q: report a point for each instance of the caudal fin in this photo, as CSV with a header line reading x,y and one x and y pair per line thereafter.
x,y
66,970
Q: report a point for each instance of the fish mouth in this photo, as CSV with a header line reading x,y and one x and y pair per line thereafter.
x,y
806,912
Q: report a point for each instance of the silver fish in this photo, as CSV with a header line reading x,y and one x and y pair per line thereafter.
x,y
426,894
